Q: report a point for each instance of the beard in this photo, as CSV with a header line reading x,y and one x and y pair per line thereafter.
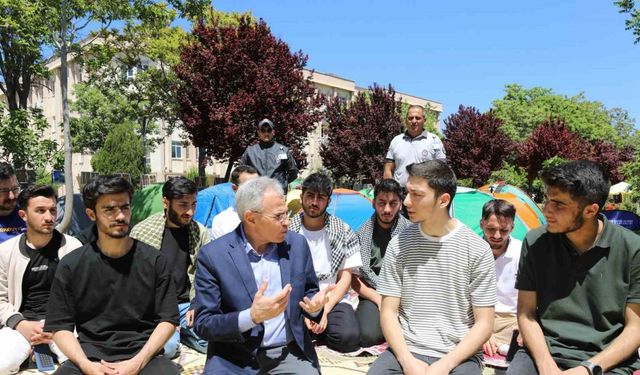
x,y
175,218
7,208
578,222
305,209
118,233
385,220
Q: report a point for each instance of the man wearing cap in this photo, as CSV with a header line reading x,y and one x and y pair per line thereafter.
x,y
270,158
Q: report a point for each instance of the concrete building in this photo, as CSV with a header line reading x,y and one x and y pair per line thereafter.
x,y
173,156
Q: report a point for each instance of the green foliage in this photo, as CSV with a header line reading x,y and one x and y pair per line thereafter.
x,y
121,153
625,126
23,31
192,173
522,110
511,174
23,142
631,172
633,22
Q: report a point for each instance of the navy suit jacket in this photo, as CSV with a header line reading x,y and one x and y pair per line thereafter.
x,y
225,286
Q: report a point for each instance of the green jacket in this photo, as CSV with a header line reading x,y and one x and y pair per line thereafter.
x,y
151,232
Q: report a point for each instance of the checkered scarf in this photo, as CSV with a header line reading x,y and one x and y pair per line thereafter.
x,y
343,241
365,235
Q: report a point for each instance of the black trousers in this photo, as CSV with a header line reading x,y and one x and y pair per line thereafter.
x,y
368,317
342,333
160,365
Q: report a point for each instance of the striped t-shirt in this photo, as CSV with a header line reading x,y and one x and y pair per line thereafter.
x,y
438,281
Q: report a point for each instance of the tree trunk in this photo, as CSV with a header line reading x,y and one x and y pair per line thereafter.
x,y
227,174
68,173
143,162
202,156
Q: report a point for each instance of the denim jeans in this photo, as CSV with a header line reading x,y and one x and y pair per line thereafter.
x,y
186,335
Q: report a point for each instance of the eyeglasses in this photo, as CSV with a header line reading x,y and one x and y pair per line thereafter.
x,y
280,218
15,190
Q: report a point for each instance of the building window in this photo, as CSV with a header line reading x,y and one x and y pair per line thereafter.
x,y
186,150
176,150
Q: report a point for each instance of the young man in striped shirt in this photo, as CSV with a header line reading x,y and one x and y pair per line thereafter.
x,y
437,282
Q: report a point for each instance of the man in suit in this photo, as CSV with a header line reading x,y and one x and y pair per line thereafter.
x,y
254,286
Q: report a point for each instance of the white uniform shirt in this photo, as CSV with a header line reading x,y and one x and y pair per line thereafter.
x,y
506,271
224,222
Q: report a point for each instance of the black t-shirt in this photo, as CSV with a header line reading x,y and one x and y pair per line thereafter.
x,y
115,304
175,246
38,277
379,241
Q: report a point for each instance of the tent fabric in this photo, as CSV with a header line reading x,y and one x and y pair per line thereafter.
x,y
349,205
79,219
145,202
467,207
212,201
501,187
623,218
619,188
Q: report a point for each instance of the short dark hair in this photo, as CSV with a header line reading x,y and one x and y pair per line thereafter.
x,y
34,191
418,107
6,171
235,175
387,185
439,175
102,185
586,181
498,207
178,186
317,183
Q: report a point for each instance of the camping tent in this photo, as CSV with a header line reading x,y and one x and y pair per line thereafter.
x,y
145,202
624,218
467,206
529,205
212,201
619,188
349,205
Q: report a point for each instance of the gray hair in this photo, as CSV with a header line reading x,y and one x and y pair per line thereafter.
x,y
250,195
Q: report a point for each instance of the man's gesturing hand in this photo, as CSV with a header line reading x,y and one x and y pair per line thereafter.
x,y
264,308
314,305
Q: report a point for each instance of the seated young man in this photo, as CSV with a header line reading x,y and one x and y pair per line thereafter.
x,y
437,282
497,221
116,292
28,263
578,282
374,236
335,251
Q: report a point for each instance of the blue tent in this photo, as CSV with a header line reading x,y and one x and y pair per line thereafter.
x,y
623,218
350,206
79,220
212,201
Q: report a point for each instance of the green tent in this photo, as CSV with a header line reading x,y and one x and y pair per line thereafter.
x,y
467,207
145,202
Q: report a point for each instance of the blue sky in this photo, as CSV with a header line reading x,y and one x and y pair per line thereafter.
x,y
464,52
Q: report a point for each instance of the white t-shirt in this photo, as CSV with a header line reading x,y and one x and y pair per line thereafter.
x,y
224,222
320,247
506,271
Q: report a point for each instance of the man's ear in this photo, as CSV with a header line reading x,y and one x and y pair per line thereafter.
x,y
234,187
90,213
591,210
165,203
22,214
444,199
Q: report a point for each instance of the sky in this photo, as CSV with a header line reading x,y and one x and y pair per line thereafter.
x,y
463,52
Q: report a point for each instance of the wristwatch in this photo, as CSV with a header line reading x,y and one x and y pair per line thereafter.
x,y
592,367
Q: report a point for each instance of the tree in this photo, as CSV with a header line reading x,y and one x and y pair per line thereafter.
x,y
551,139
22,140
522,110
625,126
230,77
121,153
23,31
357,134
633,23
475,144
611,157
